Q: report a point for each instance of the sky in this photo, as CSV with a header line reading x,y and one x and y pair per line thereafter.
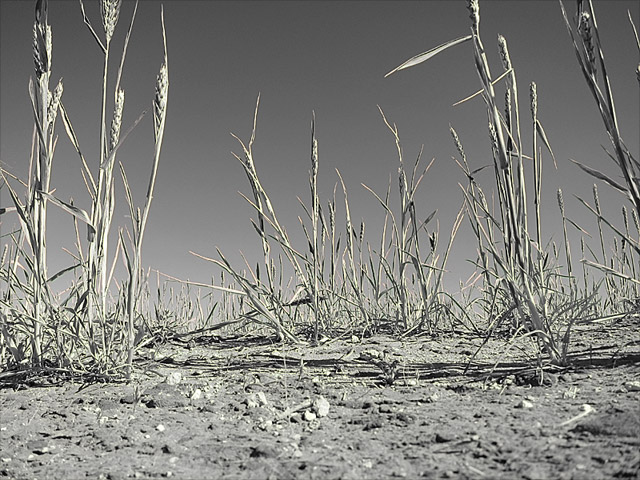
x,y
326,57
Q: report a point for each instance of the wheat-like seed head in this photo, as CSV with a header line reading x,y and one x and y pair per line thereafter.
x,y
402,181
584,29
625,218
636,221
54,103
474,15
596,198
4,254
332,217
458,144
483,200
638,72
116,123
533,95
561,202
314,157
504,52
110,11
41,48
160,101
507,106
494,142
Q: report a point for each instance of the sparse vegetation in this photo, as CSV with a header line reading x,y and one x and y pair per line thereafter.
x,y
343,283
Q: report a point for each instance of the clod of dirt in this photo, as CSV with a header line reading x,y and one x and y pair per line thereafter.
x,y
614,423
164,395
264,450
443,437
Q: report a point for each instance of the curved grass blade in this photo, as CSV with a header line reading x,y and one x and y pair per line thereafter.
x,y
422,57
71,209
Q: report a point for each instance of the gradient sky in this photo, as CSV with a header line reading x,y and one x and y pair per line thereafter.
x,y
326,56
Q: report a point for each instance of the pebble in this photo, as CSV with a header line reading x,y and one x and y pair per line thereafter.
x,y
321,406
524,404
174,378
632,386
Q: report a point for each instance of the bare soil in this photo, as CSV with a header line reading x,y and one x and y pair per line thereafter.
x,y
203,406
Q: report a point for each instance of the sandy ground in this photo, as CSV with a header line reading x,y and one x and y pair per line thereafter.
x,y
212,407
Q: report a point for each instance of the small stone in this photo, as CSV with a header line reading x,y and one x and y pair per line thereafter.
x,y
632,386
255,400
161,428
443,437
524,403
174,378
197,394
321,406
309,416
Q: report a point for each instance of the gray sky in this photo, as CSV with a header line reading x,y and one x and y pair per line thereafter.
x,y
326,56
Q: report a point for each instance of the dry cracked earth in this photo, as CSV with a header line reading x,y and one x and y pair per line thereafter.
x,y
246,408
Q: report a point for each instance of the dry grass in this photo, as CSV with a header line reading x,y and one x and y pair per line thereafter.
x,y
343,281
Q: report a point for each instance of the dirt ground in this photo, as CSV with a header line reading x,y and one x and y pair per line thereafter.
x,y
210,407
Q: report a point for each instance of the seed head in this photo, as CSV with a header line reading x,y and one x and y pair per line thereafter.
x,y
474,15
41,48
584,29
116,123
494,146
504,52
110,11
160,101
332,217
314,157
507,106
456,141
54,103
561,202
533,95
596,198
